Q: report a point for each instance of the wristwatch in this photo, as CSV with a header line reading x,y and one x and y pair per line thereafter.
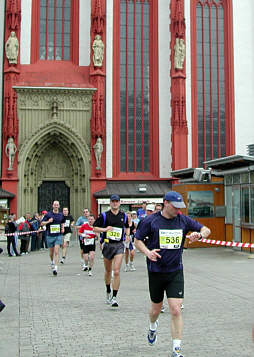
x,y
201,237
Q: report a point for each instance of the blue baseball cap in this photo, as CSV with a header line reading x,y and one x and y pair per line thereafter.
x,y
114,197
175,199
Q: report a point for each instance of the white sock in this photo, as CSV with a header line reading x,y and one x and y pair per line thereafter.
x,y
153,326
176,344
55,267
52,262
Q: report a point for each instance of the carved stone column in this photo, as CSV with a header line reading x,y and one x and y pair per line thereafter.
x,y
179,148
98,80
11,73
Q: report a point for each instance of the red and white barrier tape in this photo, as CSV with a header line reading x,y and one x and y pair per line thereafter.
x,y
227,244
21,233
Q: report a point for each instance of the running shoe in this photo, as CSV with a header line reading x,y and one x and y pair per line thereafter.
x,y
85,267
55,272
90,273
2,305
132,267
182,306
62,261
162,309
114,302
177,353
108,298
126,268
152,335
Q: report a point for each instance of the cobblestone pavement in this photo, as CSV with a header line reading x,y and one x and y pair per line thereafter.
x,y
66,316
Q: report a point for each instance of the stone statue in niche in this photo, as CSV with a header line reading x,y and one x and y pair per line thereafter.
x,y
98,51
10,151
12,48
98,149
179,53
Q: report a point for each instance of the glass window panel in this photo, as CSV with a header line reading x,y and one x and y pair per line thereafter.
x,y
252,177
200,204
58,53
67,3
67,13
141,98
51,10
245,177
43,12
66,26
59,13
228,179
42,52
252,204
236,178
228,203
51,26
67,53
58,26
59,40
43,3
245,200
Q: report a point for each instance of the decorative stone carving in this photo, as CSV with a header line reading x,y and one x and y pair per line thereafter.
x,y
10,151
54,110
98,50
98,149
12,48
179,53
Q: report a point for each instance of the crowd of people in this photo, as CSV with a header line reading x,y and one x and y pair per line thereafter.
x,y
158,231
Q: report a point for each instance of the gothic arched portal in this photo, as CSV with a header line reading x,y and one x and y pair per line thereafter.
x,y
55,154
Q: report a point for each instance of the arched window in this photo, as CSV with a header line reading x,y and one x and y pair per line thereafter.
x,y
212,80
135,82
55,37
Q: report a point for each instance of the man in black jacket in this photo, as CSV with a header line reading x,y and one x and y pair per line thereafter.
x,y
10,228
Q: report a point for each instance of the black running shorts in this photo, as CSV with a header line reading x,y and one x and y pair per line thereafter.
x,y
88,248
171,283
111,249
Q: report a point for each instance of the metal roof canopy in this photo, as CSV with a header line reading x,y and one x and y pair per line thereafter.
x,y
230,162
6,194
137,189
183,173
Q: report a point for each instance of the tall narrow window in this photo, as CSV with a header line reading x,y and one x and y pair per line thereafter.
x,y
55,29
135,115
212,118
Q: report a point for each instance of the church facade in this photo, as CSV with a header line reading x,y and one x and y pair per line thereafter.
x,y
101,96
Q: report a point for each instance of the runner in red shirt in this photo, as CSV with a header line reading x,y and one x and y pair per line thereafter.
x,y
88,243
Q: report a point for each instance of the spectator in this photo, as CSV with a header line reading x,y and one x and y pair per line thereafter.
x,y
34,225
25,238
142,211
10,228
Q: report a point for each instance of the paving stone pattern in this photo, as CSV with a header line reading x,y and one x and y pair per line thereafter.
x,y
66,316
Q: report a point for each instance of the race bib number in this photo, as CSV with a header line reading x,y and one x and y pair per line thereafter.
x,y
88,241
54,228
170,238
115,234
67,223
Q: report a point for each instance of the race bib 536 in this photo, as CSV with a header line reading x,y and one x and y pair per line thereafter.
x,y
170,238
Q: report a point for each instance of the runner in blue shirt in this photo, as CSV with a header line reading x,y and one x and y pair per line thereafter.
x,y
54,230
81,220
166,232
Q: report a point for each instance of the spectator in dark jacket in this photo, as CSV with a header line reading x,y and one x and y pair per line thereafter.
x,y
11,228
2,306
25,238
